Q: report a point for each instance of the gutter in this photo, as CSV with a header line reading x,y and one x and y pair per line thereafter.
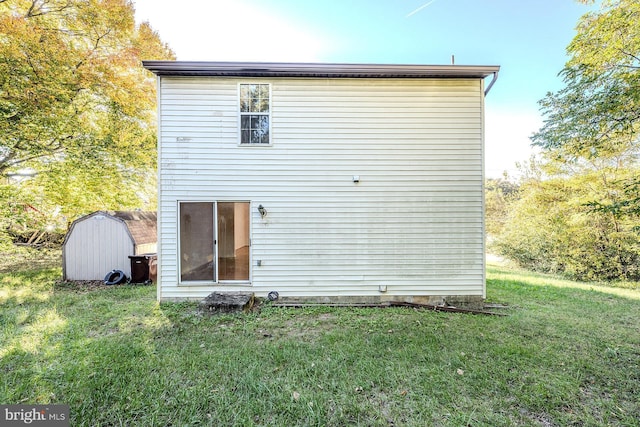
x,y
319,70
495,77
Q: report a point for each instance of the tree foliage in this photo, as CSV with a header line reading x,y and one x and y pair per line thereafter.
x,y
599,109
76,106
499,196
580,213
558,226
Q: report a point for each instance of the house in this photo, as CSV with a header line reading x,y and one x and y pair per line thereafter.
x,y
103,241
322,182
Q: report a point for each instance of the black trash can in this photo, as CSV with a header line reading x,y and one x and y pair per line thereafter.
x,y
140,266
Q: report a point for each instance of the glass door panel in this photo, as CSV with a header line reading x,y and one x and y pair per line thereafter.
x,y
196,242
233,240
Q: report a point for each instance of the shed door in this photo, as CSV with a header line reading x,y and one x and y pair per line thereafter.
x,y
214,241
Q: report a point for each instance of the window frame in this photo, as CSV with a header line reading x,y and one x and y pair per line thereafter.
x,y
216,272
241,114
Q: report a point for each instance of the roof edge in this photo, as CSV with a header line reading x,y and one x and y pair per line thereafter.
x,y
322,70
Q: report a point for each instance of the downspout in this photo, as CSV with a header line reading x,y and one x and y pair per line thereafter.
x,y
495,77
484,229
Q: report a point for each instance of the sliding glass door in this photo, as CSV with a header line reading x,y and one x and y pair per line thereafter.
x,y
214,241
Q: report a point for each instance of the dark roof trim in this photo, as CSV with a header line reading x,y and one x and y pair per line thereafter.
x,y
273,69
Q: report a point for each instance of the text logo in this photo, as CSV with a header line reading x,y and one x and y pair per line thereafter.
x,y
34,415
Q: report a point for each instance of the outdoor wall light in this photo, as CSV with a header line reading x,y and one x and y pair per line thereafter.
x,y
262,210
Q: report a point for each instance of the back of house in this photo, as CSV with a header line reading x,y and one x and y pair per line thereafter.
x,y
322,182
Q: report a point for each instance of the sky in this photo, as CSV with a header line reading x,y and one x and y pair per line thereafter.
x,y
527,38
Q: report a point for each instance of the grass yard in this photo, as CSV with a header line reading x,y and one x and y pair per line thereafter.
x,y
566,354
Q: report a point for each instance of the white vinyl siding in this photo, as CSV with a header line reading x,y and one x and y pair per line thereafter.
x,y
146,248
414,221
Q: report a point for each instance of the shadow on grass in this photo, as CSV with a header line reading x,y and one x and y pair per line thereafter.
x,y
29,259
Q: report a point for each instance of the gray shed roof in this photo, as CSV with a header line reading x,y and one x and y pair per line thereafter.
x,y
274,69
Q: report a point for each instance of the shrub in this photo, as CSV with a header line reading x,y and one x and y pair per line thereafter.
x,y
554,228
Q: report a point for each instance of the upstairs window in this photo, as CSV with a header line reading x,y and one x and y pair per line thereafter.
x,y
255,113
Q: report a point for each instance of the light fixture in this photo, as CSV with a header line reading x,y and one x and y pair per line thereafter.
x,y
262,210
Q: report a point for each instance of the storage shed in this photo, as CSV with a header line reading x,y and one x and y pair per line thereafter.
x,y
102,241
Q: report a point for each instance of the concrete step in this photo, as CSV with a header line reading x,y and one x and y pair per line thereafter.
x,y
227,302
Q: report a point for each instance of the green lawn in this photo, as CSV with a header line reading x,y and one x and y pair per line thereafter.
x,y
566,354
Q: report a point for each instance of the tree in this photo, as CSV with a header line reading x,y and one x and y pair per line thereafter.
x,y
599,109
76,105
499,196
555,226
581,214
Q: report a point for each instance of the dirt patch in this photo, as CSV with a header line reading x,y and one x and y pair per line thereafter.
x,y
84,286
79,286
306,328
303,328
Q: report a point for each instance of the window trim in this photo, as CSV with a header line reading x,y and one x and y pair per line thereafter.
x,y
217,281
240,114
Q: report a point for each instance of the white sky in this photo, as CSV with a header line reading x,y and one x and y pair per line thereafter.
x,y
229,31
528,41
